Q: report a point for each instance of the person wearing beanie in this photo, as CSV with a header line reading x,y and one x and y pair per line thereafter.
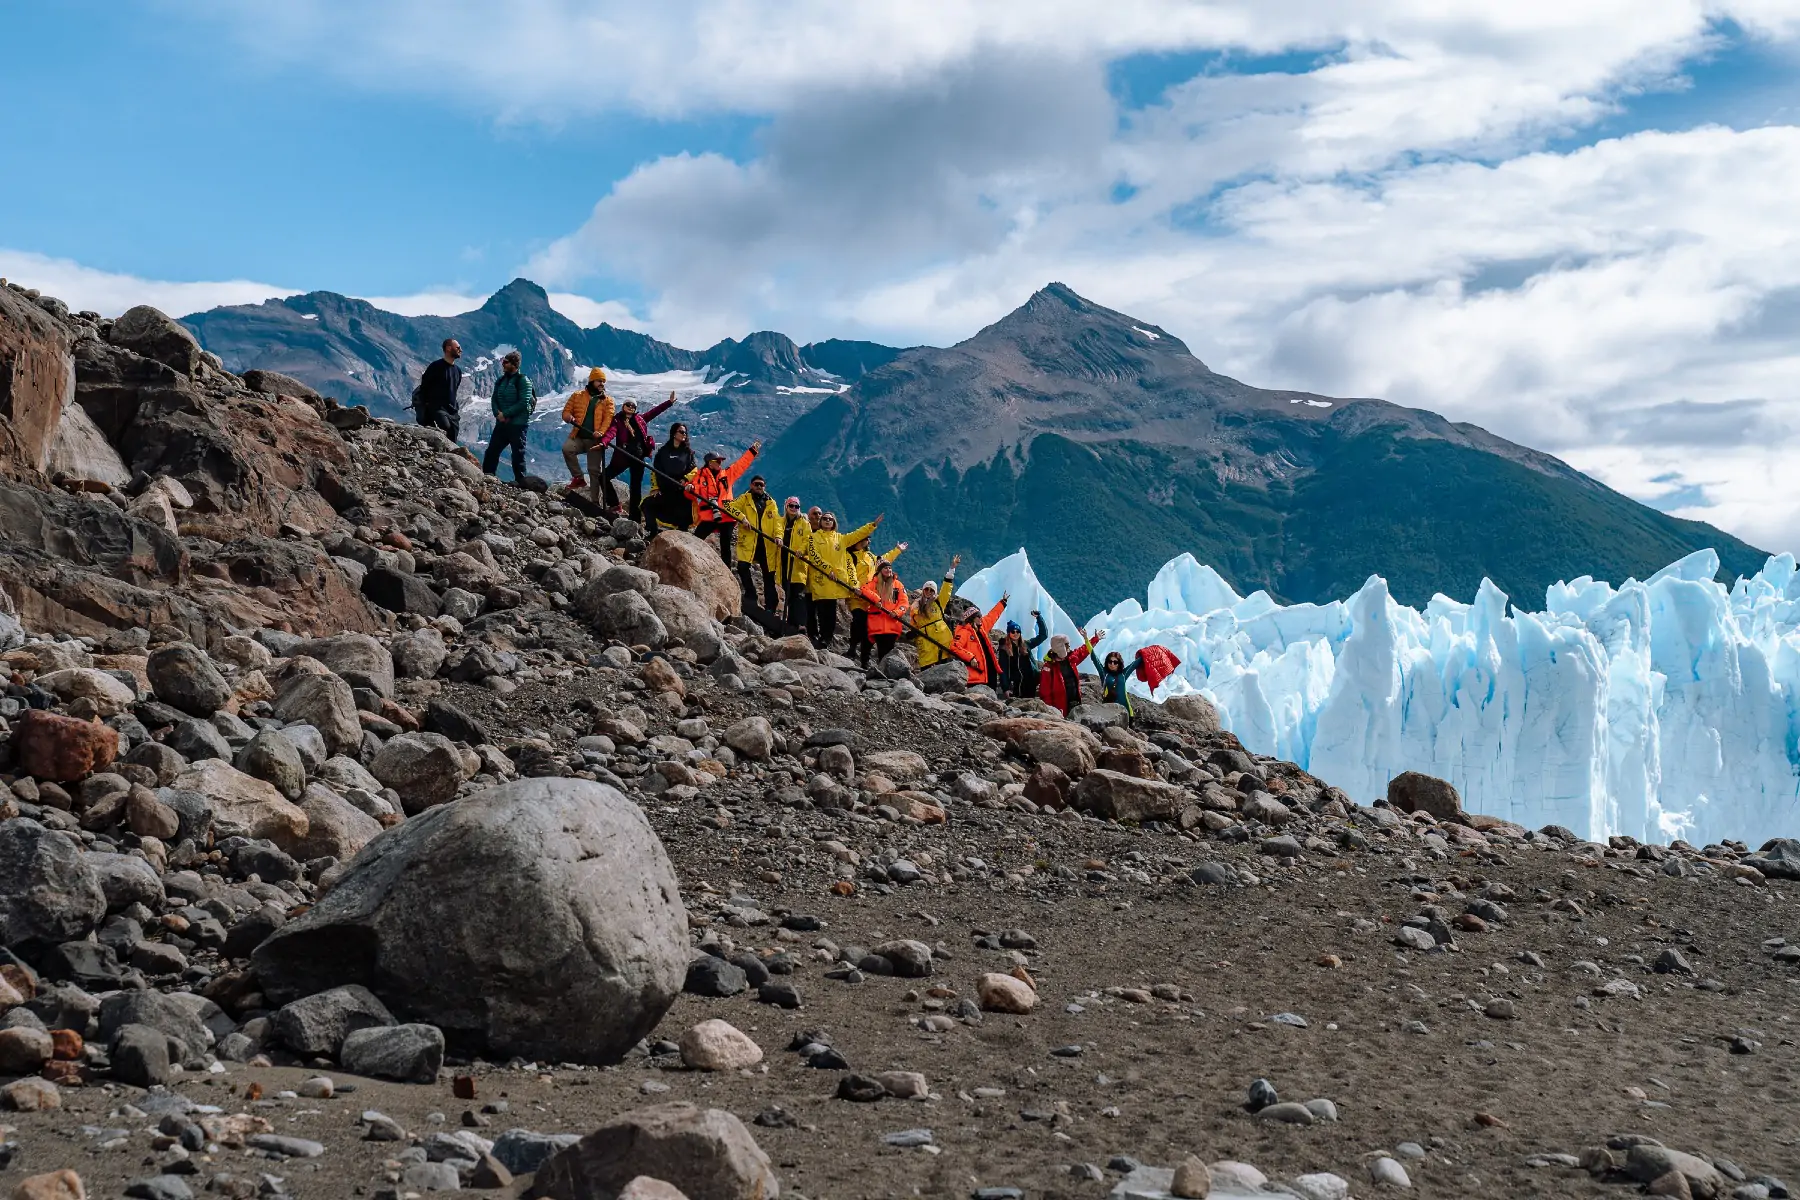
x,y
589,413
933,633
863,566
513,402
1059,685
1018,672
971,640
886,598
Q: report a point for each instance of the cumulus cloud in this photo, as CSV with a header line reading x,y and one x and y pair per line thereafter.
x,y
109,294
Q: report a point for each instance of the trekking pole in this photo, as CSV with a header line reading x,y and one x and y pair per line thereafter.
x,y
719,511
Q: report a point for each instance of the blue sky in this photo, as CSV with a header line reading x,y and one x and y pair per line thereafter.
x,y
1569,222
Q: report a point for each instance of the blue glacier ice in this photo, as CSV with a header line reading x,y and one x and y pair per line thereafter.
x,y
1661,709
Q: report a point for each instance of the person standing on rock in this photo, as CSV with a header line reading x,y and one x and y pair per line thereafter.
x,y
887,612
588,412
815,518
1018,673
710,489
796,532
758,525
933,632
629,436
970,641
829,572
1113,674
670,504
863,564
513,401
434,400
1059,684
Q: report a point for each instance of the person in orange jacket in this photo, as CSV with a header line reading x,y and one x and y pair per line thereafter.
x,y
969,640
1059,685
886,597
710,489
589,412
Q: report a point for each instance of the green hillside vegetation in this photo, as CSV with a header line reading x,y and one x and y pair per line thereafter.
x,y
1099,520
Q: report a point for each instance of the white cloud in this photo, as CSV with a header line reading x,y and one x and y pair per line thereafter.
x,y
588,313
109,294
429,303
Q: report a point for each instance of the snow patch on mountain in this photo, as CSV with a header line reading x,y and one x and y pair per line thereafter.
x,y
1661,709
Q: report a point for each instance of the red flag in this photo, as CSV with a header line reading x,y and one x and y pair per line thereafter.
x,y
1157,666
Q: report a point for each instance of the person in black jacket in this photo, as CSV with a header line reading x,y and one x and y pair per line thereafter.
x,y
669,504
435,398
1018,672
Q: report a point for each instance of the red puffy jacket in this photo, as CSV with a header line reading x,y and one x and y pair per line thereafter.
x,y
1059,685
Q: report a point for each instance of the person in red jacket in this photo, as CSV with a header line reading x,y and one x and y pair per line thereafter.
x,y
969,641
710,489
1059,685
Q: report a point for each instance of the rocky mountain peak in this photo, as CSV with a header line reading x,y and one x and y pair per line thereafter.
x,y
521,297
1062,332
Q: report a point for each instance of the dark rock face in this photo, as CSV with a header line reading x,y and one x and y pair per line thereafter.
x,y
1411,791
37,381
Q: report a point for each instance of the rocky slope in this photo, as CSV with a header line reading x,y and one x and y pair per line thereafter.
x,y
548,874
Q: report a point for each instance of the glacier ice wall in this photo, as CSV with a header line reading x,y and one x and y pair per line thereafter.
x,y
1662,709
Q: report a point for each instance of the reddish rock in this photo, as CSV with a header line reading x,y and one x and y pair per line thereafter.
x,y
684,561
1125,762
37,382
1047,786
60,748
1412,791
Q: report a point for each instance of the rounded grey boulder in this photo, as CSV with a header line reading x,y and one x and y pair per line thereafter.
x,y
540,919
49,891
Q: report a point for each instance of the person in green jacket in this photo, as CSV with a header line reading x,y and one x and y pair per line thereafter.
x,y
513,403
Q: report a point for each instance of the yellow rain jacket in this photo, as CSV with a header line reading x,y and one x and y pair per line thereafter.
x,y
750,547
826,556
928,615
865,571
793,563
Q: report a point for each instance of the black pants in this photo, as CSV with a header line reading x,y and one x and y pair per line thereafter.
x,y
727,531
746,572
884,646
859,633
617,467
506,436
824,614
668,508
446,419
796,605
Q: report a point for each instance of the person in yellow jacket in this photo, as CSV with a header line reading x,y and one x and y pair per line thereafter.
x,y
829,572
934,633
790,567
863,561
758,527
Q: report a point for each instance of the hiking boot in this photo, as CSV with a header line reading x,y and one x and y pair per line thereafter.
x,y
577,483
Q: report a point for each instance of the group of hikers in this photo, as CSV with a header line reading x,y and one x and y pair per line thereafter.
x,y
805,565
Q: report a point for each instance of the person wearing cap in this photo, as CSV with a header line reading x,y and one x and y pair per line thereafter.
x,y
629,436
863,566
930,629
886,598
710,490
588,412
828,575
513,401
758,527
796,532
1059,684
1018,673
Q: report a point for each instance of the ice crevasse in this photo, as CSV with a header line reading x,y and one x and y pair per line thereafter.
x,y
1668,708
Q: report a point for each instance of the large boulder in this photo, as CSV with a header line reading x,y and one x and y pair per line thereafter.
x,y
1067,747
684,561
182,675
424,768
62,749
687,621
539,919
242,805
48,891
335,828
356,658
629,617
108,695
399,592
702,1152
37,385
1128,798
275,760
420,654
1411,791
154,334
1195,710
311,694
